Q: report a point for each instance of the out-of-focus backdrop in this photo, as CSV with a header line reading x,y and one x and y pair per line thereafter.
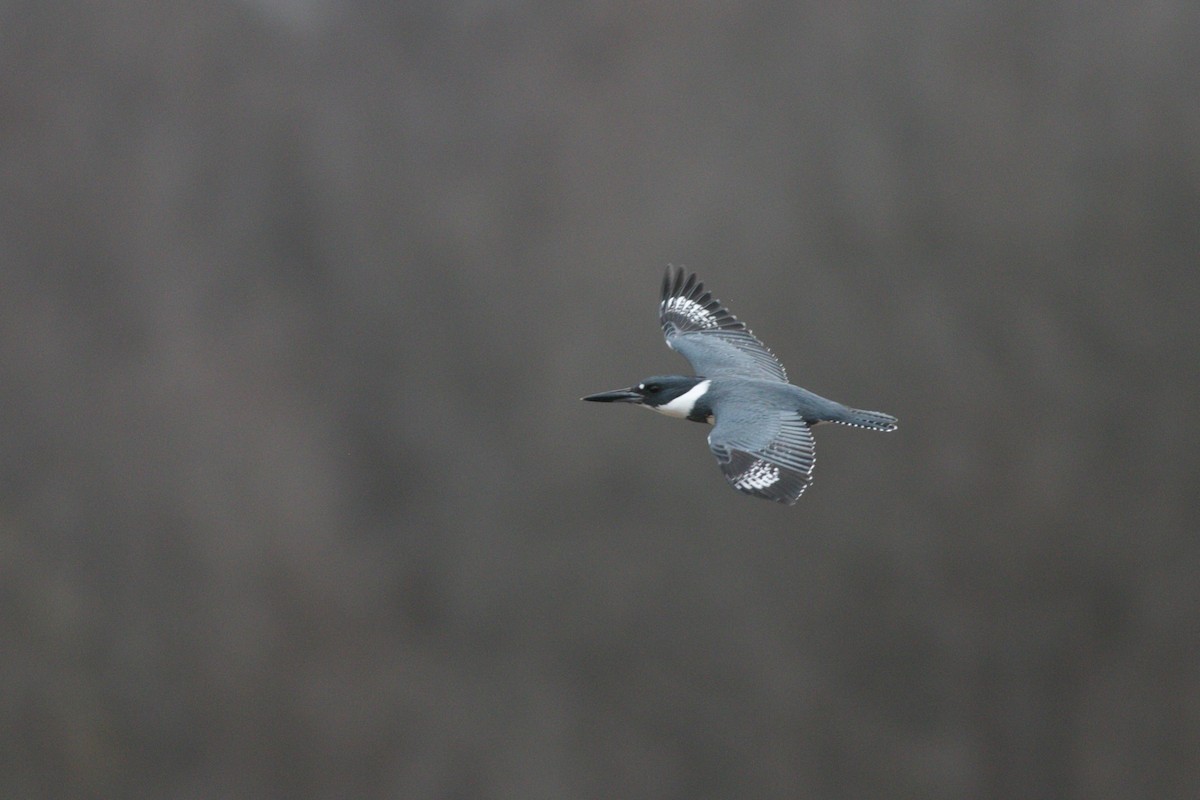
x,y
297,302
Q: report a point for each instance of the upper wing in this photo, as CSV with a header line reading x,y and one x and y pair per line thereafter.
x,y
764,453
703,331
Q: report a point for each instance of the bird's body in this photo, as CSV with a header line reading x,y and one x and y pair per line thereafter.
x,y
762,424
700,400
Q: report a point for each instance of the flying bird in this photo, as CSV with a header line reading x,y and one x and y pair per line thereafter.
x,y
762,425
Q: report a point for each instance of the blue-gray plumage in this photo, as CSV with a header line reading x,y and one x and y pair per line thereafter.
x,y
761,434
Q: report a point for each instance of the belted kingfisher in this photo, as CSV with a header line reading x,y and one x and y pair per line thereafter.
x,y
762,425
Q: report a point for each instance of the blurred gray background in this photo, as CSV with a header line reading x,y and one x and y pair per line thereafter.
x,y
299,500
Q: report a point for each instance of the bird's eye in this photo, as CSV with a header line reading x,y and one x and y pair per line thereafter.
x,y
653,387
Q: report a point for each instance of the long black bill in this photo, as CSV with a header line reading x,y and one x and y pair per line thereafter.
x,y
618,396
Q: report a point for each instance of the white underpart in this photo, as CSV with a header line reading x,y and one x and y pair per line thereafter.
x,y
682,406
759,476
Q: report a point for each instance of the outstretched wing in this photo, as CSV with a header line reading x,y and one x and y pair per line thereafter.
x,y
764,453
713,340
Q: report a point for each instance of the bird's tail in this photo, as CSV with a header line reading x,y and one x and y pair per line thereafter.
x,y
871,420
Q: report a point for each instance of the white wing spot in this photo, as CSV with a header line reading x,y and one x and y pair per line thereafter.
x,y
760,475
692,311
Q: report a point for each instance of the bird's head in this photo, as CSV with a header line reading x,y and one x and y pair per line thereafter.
x,y
673,395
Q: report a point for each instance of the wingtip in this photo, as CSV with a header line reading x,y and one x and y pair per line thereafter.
x,y
676,281
680,282
690,285
668,279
